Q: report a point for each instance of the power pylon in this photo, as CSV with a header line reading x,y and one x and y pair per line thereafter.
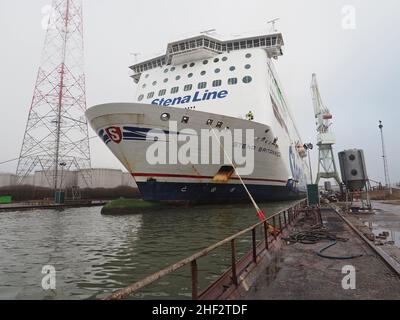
x,y
57,130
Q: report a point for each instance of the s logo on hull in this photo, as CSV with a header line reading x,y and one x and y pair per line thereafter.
x,y
115,134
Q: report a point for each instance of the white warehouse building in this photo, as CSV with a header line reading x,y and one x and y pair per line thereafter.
x,y
88,178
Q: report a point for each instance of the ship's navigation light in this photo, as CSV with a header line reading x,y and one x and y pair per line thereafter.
x,y
165,116
219,124
210,122
185,119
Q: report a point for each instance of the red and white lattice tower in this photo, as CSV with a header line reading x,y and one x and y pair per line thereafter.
x,y
56,136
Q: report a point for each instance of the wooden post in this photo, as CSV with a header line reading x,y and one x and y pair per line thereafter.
x,y
194,280
234,275
253,232
284,217
266,235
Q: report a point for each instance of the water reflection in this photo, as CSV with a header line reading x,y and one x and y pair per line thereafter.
x,y
95,254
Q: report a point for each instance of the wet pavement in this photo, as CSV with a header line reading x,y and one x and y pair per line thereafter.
x,y
299,273
382,227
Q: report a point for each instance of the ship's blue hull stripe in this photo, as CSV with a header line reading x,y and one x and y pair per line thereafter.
x,y
214,193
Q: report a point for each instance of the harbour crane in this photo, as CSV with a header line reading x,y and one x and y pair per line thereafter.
x,y
325,139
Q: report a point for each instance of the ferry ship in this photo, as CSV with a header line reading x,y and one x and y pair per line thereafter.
x,y
205,83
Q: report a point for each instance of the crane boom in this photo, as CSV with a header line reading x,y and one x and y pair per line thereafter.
x,y
325,139
321,112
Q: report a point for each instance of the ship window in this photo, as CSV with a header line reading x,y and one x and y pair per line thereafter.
x,y
247,66
184,66
190,75
202,85
232,68
248,55
188,87
185,119
172,69
232,81
165,80
150,95
216,60
218,70
203,73
154,83
205,61
247,79
174,89
192,64
147,75
144,86
217,83
162,92
178,77
166,70
225,59
141,97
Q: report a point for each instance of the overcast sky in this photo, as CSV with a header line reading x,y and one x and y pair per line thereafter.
x,y
358,69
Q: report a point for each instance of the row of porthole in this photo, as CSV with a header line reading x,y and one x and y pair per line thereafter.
x,y
191,65
201,85
190,75
212,190
185,119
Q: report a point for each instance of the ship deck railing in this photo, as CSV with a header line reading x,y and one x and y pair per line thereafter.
x,y
272,43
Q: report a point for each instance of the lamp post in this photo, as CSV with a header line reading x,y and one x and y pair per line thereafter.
x,y
59,196
308,147
62,165
385,162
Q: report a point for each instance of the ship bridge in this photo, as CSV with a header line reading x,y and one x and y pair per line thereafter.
x,y
205,47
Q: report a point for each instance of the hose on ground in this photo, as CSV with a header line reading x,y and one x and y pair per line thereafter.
x,y
315,236
319,253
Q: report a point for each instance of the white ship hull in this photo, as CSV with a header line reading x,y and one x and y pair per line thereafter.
x,y
124,127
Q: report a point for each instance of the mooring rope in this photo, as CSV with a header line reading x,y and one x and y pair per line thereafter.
x,y
259,211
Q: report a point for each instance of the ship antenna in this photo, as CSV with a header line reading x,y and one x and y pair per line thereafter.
x,y
135,55
207,32
273,22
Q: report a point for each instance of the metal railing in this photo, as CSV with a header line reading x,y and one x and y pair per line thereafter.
x,y
277,222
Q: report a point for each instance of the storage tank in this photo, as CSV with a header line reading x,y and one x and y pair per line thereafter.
x,y
328,186
353,169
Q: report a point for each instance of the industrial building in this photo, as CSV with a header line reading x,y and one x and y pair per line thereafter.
x,y
99,178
